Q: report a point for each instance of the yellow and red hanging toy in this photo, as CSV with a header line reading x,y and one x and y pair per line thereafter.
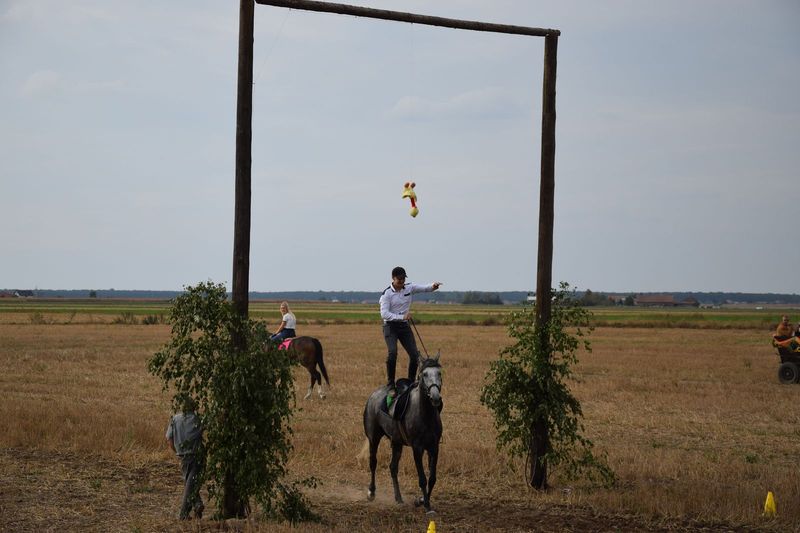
x,y
408,192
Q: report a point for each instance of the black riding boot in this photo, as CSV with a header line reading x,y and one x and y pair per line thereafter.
x,y
390,370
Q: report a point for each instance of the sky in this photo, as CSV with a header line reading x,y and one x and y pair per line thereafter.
x,y
677,146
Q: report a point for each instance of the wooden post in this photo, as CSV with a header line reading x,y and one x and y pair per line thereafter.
x,y
544,267
244,139
233,506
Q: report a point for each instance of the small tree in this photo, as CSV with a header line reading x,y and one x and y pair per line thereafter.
x,y
244,398
535,414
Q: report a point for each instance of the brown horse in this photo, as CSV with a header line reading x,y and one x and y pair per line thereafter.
x,y
308,351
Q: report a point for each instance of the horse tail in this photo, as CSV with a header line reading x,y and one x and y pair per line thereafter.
x,y
320,362
363,455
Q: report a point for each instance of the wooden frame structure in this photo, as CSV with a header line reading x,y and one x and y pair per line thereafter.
x,y
244,112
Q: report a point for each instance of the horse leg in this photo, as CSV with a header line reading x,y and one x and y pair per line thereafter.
x,y
318,377
397,451
373,464
433,457
425,498
310,387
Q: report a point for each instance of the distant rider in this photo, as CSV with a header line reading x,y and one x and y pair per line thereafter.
x,y
287,327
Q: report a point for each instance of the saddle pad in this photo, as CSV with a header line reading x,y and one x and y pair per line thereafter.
x,y
285,344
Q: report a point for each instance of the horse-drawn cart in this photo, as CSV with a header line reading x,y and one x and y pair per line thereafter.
x,y
789,352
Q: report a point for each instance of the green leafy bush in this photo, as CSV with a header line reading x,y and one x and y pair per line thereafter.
x,y
244,391
527,391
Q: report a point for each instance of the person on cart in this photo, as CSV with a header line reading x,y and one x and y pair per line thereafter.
x,y
784,329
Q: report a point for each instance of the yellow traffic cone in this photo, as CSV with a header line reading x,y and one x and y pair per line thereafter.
x,y
432,527
769,505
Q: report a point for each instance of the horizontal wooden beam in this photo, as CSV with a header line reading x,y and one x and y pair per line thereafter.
x,y
383,14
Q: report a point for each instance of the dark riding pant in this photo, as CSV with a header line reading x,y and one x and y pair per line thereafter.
x,y
282,335
400,331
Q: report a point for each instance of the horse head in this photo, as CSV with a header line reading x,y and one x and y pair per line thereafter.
x,y
430,379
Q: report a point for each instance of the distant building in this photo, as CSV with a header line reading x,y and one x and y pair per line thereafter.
x,y
24,294
663,300
654,300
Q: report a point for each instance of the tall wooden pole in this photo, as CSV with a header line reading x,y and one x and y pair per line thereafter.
x,y
244,139
544,268
233,506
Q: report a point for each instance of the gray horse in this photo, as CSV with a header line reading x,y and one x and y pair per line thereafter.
x,y
419,427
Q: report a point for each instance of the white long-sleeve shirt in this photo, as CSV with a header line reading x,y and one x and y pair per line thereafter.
x,y
395,304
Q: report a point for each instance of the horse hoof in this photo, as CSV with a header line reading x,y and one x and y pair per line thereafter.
x,y
430,512
307,396
370,495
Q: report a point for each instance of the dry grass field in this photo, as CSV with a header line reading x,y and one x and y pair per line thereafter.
x,y
694,423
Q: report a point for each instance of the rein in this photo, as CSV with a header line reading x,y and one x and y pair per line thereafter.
x,y
410,319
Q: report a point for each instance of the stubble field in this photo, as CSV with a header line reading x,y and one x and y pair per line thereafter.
x,y
694,422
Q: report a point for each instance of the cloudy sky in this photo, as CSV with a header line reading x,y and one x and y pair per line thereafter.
x,y
677,157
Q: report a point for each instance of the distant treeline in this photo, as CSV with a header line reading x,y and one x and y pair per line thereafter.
x,y
449,297
737,297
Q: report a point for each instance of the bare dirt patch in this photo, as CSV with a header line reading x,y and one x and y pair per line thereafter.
x,y
51,491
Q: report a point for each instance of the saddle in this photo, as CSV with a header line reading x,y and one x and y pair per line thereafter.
x,y
398,407
400,404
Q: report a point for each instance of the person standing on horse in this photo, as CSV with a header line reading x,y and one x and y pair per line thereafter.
x,y
287,327
395,305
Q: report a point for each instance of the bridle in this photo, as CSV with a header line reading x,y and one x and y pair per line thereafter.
x,y
427,388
